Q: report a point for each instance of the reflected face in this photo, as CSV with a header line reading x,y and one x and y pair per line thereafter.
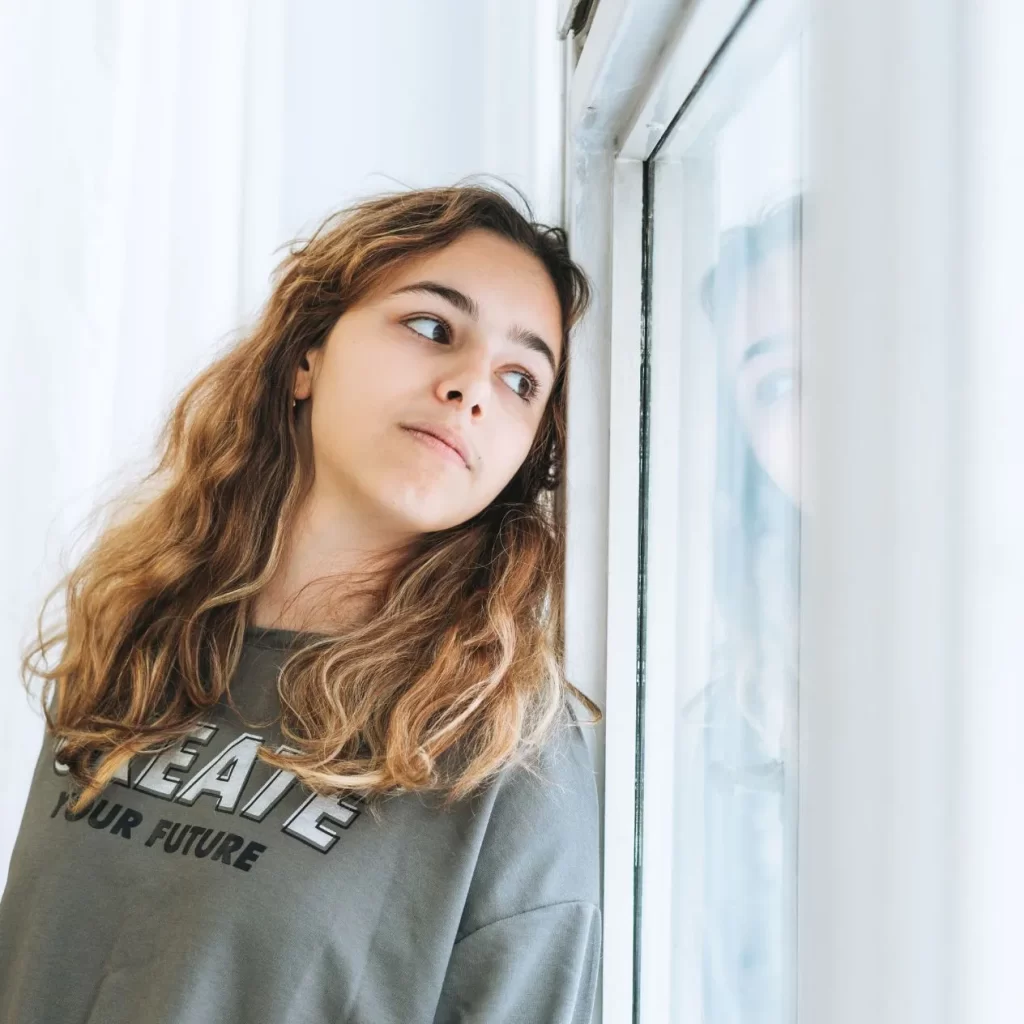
x,y
427,395
763,356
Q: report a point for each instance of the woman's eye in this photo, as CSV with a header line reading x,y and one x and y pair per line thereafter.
x,y
774,386
525,387
429,320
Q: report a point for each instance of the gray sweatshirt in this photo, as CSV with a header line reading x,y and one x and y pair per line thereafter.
x,y
204,887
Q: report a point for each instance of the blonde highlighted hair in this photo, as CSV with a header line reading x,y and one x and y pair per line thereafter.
x,y
454,672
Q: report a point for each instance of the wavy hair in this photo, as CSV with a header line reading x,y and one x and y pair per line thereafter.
x,y
453,673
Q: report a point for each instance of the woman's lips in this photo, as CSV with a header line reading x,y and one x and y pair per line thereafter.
x,y
436,444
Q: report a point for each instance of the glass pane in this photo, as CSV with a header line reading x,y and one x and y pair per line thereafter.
x,y
723,546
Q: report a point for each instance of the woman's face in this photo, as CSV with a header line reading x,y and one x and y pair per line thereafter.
x,y
764,359
465,342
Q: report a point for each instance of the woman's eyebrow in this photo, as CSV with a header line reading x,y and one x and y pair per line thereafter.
x,y
465,304
771,343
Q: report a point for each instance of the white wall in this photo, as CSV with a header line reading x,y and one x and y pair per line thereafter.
x,y
152,157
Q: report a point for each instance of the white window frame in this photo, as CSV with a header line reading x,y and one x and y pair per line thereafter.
x,y
912,560
618,89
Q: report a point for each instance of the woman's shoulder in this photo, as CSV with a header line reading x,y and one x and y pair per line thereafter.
x,y
561,772
542,842
558,778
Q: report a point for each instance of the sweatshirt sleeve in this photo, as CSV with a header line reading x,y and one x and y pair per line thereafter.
x,y
540,965
528,947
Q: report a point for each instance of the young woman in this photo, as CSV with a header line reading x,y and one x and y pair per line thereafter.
x,y
310,753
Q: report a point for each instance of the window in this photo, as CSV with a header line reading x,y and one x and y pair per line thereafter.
x,y
730,211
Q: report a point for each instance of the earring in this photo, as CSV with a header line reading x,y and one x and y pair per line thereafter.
x,y
294,403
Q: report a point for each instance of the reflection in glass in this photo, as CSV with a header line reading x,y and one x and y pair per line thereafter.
x,y
727,223
751,298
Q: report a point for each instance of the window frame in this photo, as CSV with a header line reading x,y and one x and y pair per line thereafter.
x,y
625,78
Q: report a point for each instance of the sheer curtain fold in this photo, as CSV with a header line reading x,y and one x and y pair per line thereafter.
x,y
127,128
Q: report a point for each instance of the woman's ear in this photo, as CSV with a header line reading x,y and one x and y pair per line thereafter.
x,y
305,374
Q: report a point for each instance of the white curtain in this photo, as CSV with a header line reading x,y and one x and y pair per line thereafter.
x,y
128,185
911,817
